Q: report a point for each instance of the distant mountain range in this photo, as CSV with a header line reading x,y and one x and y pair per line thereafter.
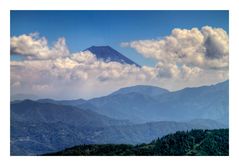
x,y
38,128
143,103
136,105
107,54
131,115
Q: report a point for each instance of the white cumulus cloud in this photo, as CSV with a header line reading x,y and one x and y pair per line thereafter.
x,y
187,57
205,48
184,58
33,47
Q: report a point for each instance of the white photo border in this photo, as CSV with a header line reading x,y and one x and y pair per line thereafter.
x,y
7,5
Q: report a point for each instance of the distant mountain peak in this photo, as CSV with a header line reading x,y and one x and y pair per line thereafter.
x,y
142,89
107,54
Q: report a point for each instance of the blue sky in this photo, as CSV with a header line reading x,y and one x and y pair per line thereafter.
x,y
83,29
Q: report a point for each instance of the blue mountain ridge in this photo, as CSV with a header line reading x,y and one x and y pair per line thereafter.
x,y
206,102
129,115
33,111
37,130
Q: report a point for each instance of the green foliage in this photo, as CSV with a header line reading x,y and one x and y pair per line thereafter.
x,y
194,142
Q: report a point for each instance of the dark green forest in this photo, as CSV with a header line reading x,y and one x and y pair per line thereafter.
x,y
181,143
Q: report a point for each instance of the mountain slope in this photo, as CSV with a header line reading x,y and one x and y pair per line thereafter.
x,y
193,143
32,111
131,106
63,102
144,133
32,138
207,102
106,53
38,127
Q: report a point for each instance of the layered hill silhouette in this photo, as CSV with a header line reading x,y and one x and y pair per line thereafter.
x,y
131,115
136,105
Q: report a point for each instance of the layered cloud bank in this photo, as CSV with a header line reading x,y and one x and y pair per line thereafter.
x,y
184,58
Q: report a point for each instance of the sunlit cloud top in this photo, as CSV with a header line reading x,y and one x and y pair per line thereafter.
x,y
184,58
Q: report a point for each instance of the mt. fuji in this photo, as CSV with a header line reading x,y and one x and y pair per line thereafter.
x,y
107,54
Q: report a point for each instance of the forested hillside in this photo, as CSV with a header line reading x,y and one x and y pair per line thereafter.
x,y
194,142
